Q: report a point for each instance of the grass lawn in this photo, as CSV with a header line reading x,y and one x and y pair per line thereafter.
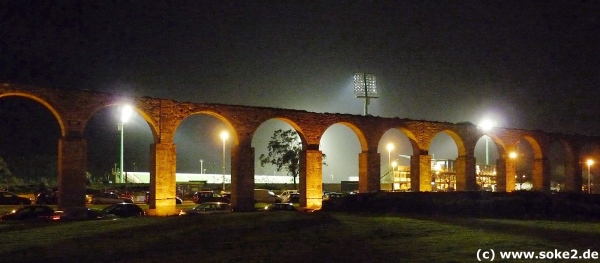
x,y
288,237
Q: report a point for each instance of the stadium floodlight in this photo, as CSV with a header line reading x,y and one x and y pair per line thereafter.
x,y
365,86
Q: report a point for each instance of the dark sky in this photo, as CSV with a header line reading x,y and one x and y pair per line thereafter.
x,y
526,64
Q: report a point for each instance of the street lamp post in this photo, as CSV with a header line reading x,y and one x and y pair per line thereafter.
x,y
390,147
394,165
487,125
126,112
224,136
589,164
201,166
487,151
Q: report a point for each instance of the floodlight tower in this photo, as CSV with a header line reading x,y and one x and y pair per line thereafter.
x,y
365,86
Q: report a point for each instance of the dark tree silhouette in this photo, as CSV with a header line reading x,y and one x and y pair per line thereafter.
x,y
284,152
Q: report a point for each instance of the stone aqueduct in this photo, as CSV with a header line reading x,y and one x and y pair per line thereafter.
x,y
73,109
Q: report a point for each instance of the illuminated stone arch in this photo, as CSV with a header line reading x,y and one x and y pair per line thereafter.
x,y
362,140
539,180
424,142
464,163
572,177
295,126
460,144
416,154
52,110
368,161
135,107
223,119
412,139
287,121
500,144
535,146
569,151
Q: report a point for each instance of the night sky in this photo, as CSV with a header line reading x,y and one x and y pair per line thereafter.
x,y
525,64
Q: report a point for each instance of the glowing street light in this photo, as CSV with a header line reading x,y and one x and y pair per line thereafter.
x,y
365,86
224,137
589,163
126,112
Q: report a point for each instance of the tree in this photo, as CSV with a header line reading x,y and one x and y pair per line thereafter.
x,y
284,152
4,171
35,168
6,176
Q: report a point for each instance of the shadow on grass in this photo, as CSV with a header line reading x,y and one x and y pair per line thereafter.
x,y
7,227
212,238
584,238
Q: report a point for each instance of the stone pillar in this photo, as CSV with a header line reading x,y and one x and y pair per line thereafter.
x,y
415,173
573,172
72,159
540,178
162,180
511,174
501,175
465,173
424,173
368,172
311,179
242,178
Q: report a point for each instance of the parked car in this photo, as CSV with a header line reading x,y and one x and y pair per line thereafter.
x,y
122,210
178,200
47,198
78,213
109,198
280,207
8,198
294,198
335,195
31,213
226,195
208,208
209,196
285,195
265,196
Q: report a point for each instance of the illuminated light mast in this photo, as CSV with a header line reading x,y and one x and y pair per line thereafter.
x,y
365,86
